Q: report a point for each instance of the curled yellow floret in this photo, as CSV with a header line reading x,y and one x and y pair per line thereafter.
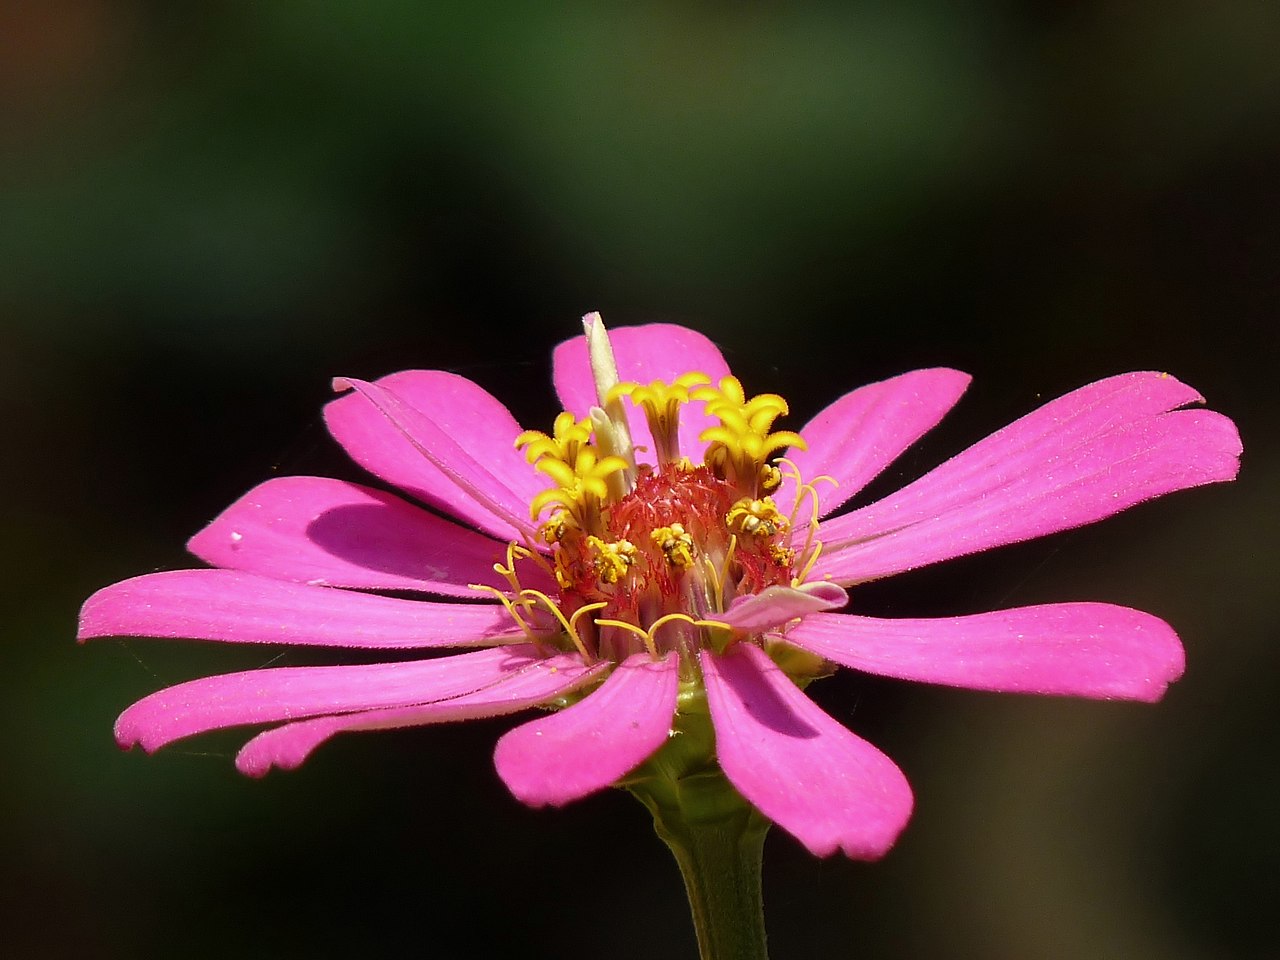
x,y
583,478
740,446
661,403
581,487
569,435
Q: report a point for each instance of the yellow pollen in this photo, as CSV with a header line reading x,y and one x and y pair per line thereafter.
x,y
554,530
612,560
770,478
784,556
676,545
758,518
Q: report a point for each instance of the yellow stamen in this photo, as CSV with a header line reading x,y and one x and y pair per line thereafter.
x,y
642,634
770,478
670,617
803,575
508,572
582,612
569,628
722,634
724,570
612,560
806,492
759,518
676,545
511,609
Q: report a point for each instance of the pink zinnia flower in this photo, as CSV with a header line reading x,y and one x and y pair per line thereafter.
x,y
677,568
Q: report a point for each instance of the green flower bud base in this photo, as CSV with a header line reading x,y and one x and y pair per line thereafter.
x,y
717,837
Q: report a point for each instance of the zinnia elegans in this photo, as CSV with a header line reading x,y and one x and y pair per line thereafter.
x,y
662,558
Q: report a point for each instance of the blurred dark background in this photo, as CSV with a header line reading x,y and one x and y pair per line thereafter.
x,y
208,210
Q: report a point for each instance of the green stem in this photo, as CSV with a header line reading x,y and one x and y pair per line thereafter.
x,y
718,841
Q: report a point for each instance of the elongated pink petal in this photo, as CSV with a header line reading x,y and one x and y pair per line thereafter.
x,y
804,771
237,607
774,606
596,741
288,746
442,439
292,693
1078,459
1071,649
330,532
656,351
856,437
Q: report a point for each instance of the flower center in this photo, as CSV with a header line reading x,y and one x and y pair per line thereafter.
x,y
678,548
649,555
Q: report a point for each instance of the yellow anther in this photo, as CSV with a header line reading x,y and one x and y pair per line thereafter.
x,y
676,545
611,560
553,530
757,518
564,570
783,556
770,478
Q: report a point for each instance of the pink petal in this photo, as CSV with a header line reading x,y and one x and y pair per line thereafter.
x,y
286,747
856,437
291,693
1072,649
443,439
656,351
330,532
1078,459
596,741
801,769
776,605
236,607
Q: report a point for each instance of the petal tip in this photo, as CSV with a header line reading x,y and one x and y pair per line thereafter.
x,y
128,735
91,623
254,766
